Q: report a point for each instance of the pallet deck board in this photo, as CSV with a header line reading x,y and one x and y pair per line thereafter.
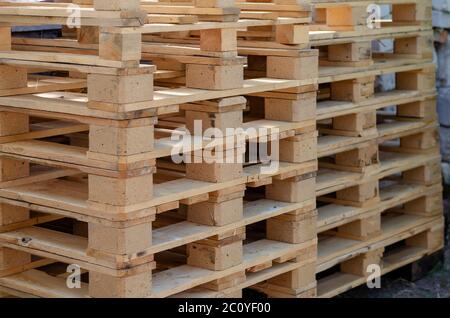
x,y
339,283
41,284
333,215
186,232
328,145
333,250
164,97
381,66
332,180
180,278
43,84
254,254
331,108
71,196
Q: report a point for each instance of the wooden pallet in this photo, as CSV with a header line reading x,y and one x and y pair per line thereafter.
x,y
351,208
409,209
69,197
411,45
215,65
351,175
200,198
353,15
347,109
156,13
405,239
174,272
403,226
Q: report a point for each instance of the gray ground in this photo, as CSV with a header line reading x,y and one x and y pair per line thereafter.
x,y
435,285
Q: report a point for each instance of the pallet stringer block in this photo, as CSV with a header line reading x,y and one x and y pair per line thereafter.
x,y
421,142
13,169
11,77
349,54
121,145
222,207
88,35
222,158
219,253
429,205
346,16
115,92
294,106
129,145
294,227
362,229
363,194
5,38
222,115
360,265
363,159
428,174
301,67
292,34
298,283
423,80
423,110
354,90
227,72
414,47
353,125
432,240
418,13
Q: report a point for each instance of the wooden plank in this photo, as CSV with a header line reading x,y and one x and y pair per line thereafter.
x,y
333,215
242,23
162,98
64,58
338,283
43,84
67,248
331,108
39,174
71,106
333,250
41,284
184,277
329,181
186,232
46,129
71,196
329,74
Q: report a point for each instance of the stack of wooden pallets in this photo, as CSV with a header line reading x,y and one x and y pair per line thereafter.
x,y
379,192
379,182
94,173
89,185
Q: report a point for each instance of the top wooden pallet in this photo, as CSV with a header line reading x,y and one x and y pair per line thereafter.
x,y
367,16
153,16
